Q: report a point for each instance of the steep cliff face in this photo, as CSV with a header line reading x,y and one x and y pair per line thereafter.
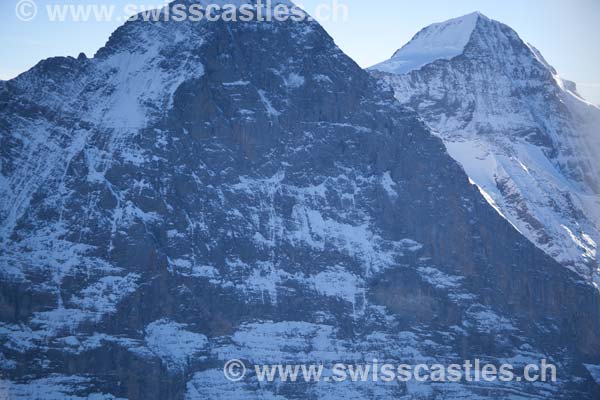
x,y
204,191
523,134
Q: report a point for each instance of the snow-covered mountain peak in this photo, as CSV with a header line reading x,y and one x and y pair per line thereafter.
x,y
443,40
473,35
523,134
203,191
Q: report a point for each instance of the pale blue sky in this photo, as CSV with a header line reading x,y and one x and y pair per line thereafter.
x,y
566,32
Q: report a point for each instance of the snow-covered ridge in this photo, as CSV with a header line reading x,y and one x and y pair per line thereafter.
x,y
441,41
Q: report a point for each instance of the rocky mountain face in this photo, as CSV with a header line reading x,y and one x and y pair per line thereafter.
x,y
202,191
523,135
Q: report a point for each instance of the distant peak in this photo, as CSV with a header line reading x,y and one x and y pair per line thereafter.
x,y
439,41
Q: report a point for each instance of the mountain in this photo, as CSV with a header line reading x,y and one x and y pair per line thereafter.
x,y
204,191
524,135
